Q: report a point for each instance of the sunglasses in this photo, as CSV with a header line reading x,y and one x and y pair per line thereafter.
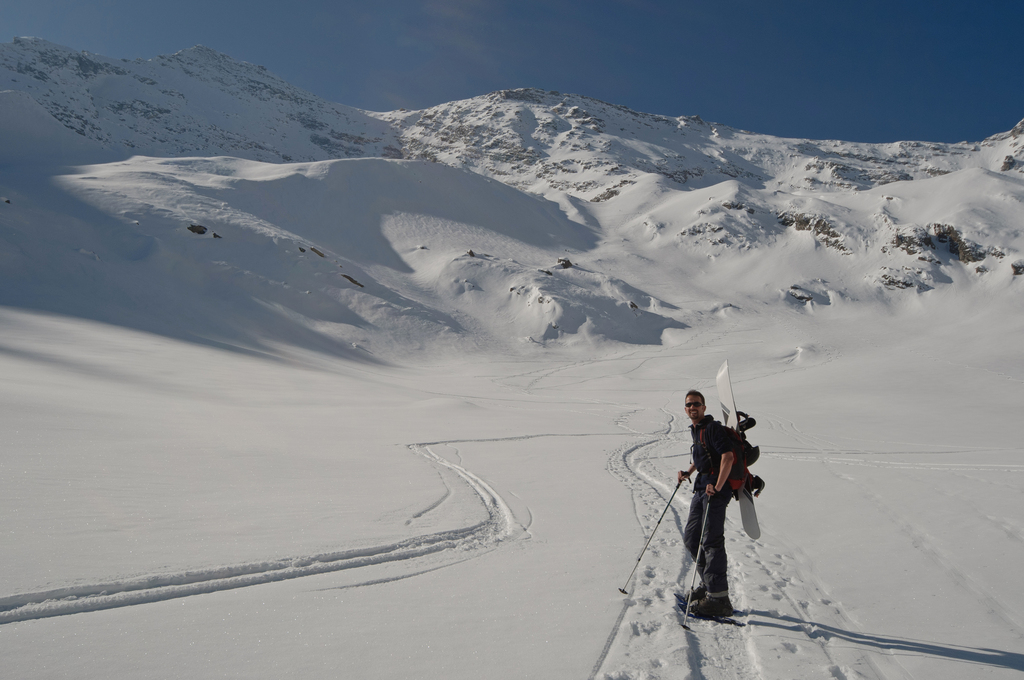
x,y
693,404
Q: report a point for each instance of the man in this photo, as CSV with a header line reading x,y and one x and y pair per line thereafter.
x,y
713,459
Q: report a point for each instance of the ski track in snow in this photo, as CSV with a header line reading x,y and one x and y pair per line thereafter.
x,y
157,588
792,619
464,543
436,504
648,640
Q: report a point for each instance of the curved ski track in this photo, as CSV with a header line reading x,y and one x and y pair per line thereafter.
x,y
648,640
466,543
769,579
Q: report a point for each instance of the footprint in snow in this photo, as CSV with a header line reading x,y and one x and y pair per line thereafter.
x,y
646,628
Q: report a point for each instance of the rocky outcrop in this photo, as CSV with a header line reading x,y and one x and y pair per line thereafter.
x,y
913,240
799,293
922,242
351,280
965,250
822,229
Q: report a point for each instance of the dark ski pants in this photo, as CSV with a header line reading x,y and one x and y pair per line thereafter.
x,y
711,565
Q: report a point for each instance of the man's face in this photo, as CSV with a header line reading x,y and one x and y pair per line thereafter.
x,y
694,408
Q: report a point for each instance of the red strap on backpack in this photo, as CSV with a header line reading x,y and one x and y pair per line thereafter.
x,y
739,473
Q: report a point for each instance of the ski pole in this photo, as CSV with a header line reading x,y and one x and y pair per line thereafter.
x,y
667,506
700,546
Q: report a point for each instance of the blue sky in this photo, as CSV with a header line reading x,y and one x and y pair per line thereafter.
x,y
858,71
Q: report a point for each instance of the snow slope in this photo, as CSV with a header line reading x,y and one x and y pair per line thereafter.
x,y
194,100
416,416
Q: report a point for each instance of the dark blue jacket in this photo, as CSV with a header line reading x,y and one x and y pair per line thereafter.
x,y
708,462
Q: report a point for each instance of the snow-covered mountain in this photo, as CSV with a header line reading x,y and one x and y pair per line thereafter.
x,y
578,180
409,399
201,102
194,102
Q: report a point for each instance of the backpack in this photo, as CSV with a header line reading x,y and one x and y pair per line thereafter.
x,y
746,455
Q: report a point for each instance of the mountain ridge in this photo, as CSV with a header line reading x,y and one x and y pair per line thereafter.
x,y
320,130
330,201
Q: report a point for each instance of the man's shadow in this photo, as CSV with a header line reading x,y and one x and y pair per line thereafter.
x,y
983,656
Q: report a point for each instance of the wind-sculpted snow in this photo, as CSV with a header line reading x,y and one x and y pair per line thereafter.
x,y
373,258
386,255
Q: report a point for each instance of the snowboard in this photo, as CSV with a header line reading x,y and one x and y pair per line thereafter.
x,y
725,397
749,514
